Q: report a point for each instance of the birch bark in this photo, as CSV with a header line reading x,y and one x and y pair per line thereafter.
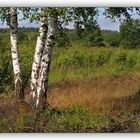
x,y
14,52
40,44
42,84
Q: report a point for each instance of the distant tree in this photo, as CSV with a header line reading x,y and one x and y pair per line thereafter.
x,y
62,37
130,34
86,26
93,35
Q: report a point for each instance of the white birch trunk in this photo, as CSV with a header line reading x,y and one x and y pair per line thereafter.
x,y
42,85
14,51
40,44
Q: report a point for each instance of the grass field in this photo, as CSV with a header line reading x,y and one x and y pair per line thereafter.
x,y
90,90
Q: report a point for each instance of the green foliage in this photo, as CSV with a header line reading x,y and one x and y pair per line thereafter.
x,y
119,12
74,119
5,14
62,39
86,26
130,33
26,51
92,57
93,35
26,57
80,62
5,64
111,38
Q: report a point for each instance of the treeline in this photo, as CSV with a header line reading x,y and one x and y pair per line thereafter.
x,y
127,37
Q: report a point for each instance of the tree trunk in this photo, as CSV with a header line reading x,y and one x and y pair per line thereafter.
x,y
14,51
40,44
42,85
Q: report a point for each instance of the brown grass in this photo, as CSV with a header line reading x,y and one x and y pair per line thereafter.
x,y
108,94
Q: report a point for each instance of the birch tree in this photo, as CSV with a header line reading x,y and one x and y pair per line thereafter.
x,y
42,83
13,24
40,70
40,44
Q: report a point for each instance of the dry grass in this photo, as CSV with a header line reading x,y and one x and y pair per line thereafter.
x,y
103,94
107,94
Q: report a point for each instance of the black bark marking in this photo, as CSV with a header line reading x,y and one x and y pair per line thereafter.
x,y
13,51
52,37
15,58
36,76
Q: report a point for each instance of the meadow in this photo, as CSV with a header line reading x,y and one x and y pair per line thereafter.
x,y
91,89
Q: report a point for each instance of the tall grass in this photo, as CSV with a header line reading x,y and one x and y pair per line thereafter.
x,y
76,62
79,62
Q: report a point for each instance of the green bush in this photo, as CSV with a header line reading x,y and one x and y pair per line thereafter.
x,y
119,57
6,75
111,38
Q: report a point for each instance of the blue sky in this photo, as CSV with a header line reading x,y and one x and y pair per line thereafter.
x,y
103,22
106,23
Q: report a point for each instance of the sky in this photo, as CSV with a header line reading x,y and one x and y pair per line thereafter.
x,y
103,22
106,23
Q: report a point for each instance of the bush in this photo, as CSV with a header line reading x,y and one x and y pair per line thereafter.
x,y
130,33
119,57
111,38
5,66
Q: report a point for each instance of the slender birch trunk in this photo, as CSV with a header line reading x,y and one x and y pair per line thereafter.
x,y
14,51
40,44
42,85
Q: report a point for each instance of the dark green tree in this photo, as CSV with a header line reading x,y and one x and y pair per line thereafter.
x,y
86,26
130,34
92,34
62,37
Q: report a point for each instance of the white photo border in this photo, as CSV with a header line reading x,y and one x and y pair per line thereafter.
x,y
70,3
